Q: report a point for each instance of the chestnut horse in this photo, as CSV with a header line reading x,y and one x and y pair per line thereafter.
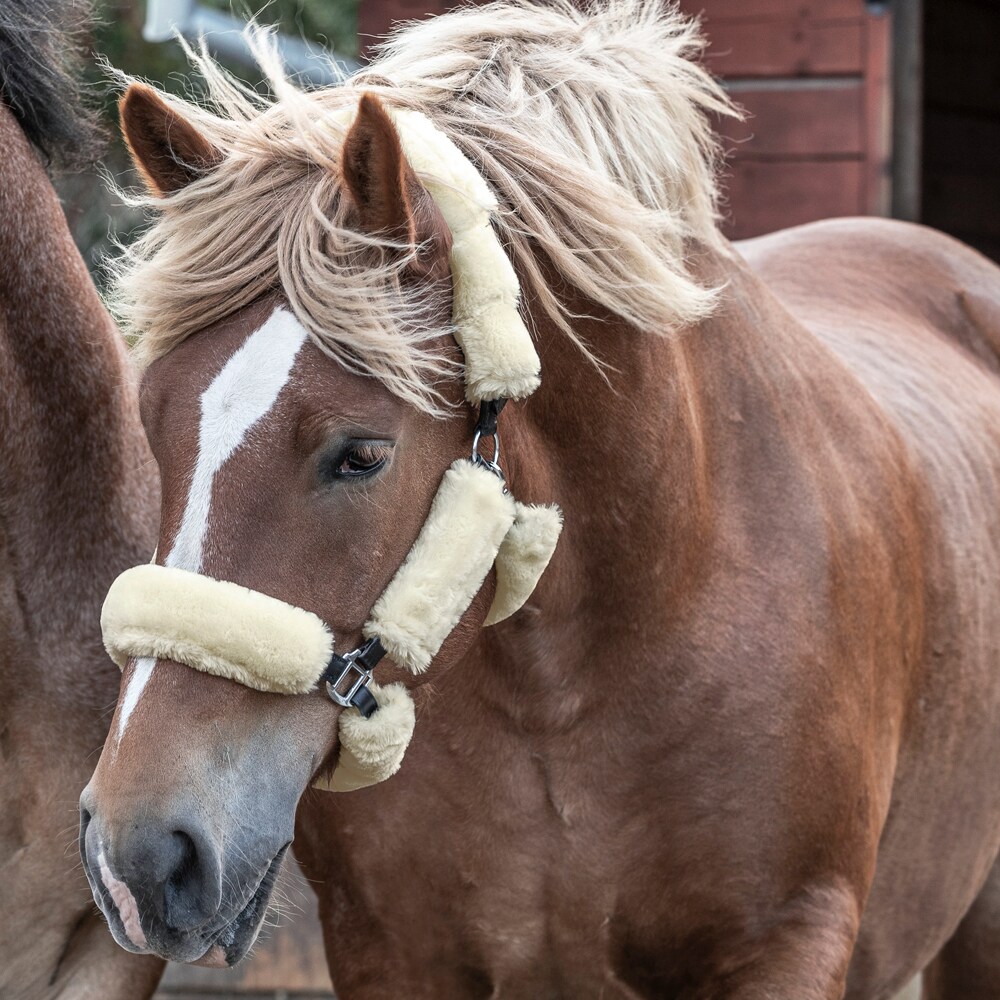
x,y
77,500
742,740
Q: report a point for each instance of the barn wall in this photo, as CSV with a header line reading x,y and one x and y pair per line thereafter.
x,y
813,77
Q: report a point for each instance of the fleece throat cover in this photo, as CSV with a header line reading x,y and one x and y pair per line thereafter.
x,y
474,524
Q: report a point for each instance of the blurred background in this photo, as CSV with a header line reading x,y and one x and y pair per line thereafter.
x,y
117,35
854,107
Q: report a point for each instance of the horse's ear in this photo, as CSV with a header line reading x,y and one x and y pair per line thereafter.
x,y
389,198
167,149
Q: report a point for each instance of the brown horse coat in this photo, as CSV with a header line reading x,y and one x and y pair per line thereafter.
x,y
791,678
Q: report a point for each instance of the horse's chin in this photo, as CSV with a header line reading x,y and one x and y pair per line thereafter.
x,y
214,958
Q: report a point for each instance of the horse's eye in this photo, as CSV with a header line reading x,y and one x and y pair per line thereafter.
x,y
359,459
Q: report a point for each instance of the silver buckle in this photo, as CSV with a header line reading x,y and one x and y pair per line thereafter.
x,y
363,680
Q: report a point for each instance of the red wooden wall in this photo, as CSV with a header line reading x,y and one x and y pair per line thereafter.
x,y
813,76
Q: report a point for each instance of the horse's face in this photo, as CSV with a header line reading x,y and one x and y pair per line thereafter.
x,y
285,473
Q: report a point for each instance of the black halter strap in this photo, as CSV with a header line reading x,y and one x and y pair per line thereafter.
x,y
489,411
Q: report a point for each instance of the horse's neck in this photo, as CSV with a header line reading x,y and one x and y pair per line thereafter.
x,y
77,486
625,452
638,464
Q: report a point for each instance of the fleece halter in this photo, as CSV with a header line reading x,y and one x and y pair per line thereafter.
x,y
474,524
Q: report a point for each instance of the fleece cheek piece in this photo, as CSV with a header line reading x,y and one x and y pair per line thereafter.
x,y
372,750
523,557
500,357
447,565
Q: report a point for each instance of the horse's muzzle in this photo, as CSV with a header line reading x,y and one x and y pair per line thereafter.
x,y
165,887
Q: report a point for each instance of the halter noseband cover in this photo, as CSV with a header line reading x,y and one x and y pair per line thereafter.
x,y
221,628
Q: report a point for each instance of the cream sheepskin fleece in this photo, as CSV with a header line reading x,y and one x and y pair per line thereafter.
x,y
214,626
523,556
371,750
500,358
454,551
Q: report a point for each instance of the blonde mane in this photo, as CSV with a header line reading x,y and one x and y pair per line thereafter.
x,y
590,125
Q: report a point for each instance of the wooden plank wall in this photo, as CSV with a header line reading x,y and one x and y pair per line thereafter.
x,y
961,141
813,77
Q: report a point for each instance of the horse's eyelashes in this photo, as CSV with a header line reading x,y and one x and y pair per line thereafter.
x,y
355,460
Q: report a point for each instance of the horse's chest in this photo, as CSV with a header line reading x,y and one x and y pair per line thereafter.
x,y
492,884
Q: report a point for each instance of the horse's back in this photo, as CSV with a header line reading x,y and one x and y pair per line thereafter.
x,y
845,278
915,317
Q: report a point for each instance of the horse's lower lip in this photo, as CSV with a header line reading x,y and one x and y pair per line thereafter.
x,y
228,945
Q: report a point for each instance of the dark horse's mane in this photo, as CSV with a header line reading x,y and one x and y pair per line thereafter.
x,y
39,49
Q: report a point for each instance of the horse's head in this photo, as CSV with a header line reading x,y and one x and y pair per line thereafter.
x,y
288,473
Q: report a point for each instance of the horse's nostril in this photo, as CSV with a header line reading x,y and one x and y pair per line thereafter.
x,y
187,884
85,818
186,866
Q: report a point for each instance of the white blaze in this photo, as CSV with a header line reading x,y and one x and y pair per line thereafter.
x,y
239,397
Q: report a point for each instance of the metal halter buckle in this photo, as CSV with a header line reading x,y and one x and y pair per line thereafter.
x,y
360,662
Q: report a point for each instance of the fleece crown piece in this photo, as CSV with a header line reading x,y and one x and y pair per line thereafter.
x,y
500,357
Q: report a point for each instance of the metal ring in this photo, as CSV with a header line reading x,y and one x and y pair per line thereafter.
x,y
493,464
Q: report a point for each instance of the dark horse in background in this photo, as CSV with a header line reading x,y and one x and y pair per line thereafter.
x,y
78,500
